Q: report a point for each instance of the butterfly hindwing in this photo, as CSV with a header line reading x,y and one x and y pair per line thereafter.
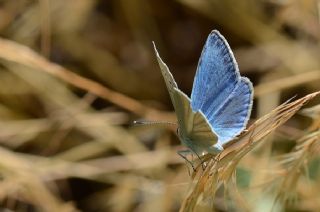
x,y
194,130
232,116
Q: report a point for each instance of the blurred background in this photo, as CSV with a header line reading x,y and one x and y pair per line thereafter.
x,y
75,74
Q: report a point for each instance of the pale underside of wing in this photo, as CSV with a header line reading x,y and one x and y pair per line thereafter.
x,y
217,85
194,130
167,76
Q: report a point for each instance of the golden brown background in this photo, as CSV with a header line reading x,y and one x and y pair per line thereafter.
x,y
74,74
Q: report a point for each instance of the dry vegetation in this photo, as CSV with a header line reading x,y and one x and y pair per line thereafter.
x,y
74,75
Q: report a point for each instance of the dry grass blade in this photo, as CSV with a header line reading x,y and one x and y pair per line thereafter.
x,y
307,147
286,83
23,55
27,185
314,114
220,169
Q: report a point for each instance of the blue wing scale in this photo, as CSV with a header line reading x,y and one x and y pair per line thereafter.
x,y
224,97
232,116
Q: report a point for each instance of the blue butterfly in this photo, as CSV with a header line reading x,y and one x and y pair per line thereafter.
x,y
220,103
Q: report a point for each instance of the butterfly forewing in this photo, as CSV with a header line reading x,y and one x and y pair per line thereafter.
x,y
216,77
195,131
216,91
167,76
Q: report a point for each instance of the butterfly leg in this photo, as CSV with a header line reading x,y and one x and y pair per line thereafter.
x,y
191,151
202,163
183,154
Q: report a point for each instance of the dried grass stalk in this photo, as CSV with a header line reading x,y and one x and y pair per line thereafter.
x,y
14,52
221,168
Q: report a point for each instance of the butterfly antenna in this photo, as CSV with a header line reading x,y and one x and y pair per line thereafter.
x,y
166,123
